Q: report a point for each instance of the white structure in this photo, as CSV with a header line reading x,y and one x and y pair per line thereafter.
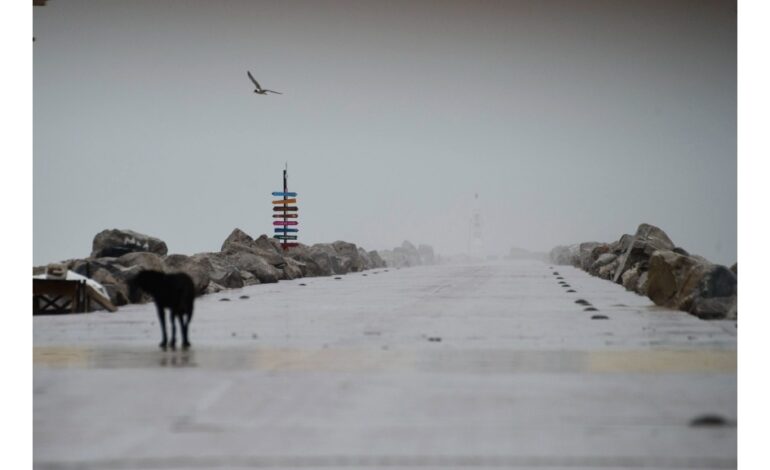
x,y
475,233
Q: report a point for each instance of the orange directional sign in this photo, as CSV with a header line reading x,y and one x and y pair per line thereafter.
x,y
285,201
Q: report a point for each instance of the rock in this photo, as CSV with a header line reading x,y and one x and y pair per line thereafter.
x,y
564,255
256,265
427,256
248,278
719,281
631,278
322,259
143,260
377,261
220,269
642,284
732,312
302,254
327,259
648,239
349,257
239,238
238,241
213,288
269,244
590,252
608,270
714,307
601,261
713,295
402,256
365,258
114,243
621,245
293,269
677,280
193,267
409,253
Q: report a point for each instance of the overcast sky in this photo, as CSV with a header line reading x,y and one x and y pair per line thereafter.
x,y
572,120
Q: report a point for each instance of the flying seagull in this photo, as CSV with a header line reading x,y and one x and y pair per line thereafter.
x,y
260,90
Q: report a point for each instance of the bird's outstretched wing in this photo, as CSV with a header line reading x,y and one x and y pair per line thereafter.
x,y
253,80
271,91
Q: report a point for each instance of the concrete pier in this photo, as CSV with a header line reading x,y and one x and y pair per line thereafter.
x,y
453,366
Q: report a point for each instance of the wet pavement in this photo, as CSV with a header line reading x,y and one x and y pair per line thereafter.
x,y
476,366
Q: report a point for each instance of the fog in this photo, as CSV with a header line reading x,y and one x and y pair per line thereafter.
x,y
572,121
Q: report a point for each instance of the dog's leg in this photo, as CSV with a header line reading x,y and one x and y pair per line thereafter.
x,y
162,320
184,321
174,317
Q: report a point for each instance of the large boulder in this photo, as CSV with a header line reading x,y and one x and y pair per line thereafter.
x,y
293,269
365,258
588,252
310,267
115,242
714,295
410,253
193,267
349,257
256,265
239,241
670,275
564,255
220,270
691,284
646,241
269,244
715,307
377,261
620,245
143,260
322,255
402,256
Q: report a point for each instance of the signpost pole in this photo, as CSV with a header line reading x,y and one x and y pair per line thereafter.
x,y
285,197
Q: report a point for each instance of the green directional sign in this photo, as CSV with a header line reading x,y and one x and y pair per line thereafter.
x,y
285,237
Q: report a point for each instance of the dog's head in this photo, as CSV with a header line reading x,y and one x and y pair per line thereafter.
x,y
144,281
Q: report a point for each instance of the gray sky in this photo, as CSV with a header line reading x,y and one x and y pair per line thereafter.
x,y
574,121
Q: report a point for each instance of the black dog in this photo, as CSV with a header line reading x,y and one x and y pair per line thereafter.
x,y
173,291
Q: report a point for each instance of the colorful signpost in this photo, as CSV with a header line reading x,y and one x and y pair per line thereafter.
x,y
285,212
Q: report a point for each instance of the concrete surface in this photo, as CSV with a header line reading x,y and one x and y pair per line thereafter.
x,y
475,366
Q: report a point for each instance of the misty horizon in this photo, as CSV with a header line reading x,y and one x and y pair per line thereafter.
x,y
572,122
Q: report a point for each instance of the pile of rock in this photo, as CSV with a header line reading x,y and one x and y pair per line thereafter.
x,y
408,255
117,255
649,263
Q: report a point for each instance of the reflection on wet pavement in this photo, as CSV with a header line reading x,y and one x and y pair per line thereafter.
x,y
495,361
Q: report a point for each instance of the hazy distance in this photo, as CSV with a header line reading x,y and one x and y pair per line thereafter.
x,y
573,121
